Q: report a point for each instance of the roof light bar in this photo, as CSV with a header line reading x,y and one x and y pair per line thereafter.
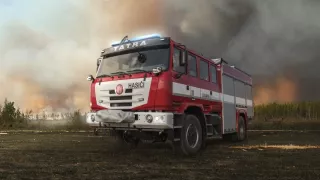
x,y
150,36
146,37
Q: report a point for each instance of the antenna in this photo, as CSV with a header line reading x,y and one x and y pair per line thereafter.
x,y
124,39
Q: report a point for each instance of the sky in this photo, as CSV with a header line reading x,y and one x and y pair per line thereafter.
x,y
39,14
26,11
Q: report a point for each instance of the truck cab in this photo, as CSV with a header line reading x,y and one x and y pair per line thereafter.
x,y
152,88
132,75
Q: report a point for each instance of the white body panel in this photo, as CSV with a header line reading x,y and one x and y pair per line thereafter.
x,y
179,89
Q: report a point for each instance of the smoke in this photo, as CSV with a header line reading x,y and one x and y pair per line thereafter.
x,y
45,66
42,72
275,41
46,53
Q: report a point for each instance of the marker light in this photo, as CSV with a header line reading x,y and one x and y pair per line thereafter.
x,y
150,36
149,118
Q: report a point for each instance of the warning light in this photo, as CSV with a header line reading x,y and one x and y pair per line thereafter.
x,y
150,36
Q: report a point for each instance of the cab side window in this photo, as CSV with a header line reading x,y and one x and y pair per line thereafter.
x,y
204,74
213,74
192,65
176,61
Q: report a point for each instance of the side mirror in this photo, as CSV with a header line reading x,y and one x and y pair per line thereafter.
x,y
183,57
90,78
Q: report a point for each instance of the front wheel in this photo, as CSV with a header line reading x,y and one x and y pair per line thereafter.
x,y
191,139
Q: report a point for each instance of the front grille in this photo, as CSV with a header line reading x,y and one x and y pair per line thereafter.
x,y
120,104
114,98
128,91
118,101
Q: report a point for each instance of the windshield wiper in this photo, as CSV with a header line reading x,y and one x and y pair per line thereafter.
x,y
103,75
120,72
137,70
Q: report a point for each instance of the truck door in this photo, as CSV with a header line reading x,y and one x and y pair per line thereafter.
x,y
180,85
192,83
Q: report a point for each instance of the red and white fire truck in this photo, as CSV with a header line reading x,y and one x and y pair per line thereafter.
x,y
152,88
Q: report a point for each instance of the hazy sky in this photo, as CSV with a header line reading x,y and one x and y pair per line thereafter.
x,y
38,14
26,11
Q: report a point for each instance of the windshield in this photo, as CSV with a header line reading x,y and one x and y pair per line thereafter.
x,y
128,62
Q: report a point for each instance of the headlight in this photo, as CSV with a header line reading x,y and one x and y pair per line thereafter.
x,y
149,118
93,117
158,119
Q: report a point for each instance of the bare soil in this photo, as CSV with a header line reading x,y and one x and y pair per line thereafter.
x,y
266,155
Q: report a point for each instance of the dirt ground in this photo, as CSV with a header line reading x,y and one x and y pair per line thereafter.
x,y
266,155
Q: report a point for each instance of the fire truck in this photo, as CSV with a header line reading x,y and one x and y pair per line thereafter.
x,y
154,89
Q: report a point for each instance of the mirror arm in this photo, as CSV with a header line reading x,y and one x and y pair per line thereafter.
x,y
90,78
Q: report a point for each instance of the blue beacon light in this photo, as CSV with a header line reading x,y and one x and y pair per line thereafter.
x,y
140,38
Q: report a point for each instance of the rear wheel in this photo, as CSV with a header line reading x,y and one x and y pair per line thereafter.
x,y
191,139
242,131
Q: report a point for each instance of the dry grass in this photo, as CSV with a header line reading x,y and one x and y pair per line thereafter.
x,y
291,146
297,110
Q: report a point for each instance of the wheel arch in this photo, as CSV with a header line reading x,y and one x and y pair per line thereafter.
x,y
197,111
242,114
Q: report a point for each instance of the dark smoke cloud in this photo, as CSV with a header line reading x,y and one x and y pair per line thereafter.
x,y
206,26
268,39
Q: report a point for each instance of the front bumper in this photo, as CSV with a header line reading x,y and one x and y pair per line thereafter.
x,y
132,120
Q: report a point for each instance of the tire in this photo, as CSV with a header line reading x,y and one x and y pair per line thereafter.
x,y
191,139
241,134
